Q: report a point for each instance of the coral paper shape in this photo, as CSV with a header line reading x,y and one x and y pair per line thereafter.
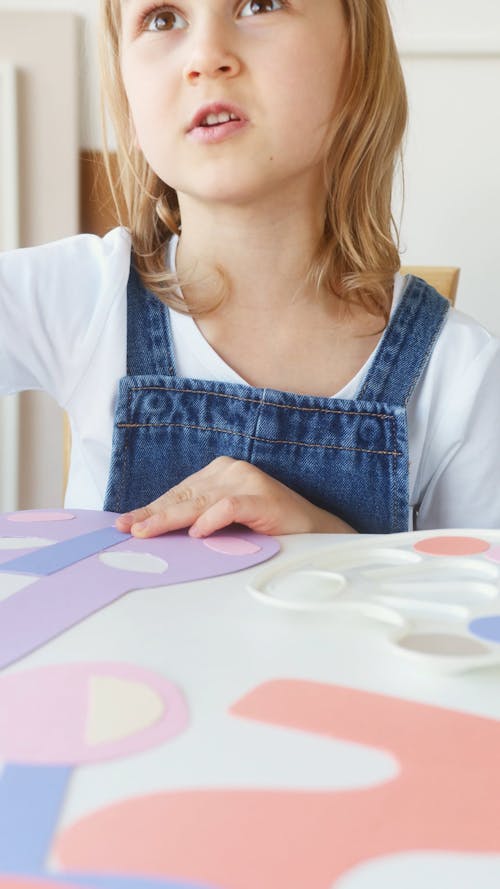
x,y
446,796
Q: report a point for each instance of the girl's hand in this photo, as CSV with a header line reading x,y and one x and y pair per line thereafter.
x,y
228,491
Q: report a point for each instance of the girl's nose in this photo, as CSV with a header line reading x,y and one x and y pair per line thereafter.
x,y
210,56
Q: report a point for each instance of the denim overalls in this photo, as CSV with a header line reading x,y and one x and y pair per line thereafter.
x,y
349,456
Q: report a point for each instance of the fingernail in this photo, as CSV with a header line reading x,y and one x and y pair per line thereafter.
x,y
140,526
127,517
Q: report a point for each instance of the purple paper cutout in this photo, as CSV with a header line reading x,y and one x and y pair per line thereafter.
x,y
49,559
53,604
6,555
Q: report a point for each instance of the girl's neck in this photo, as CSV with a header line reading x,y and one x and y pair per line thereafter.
x,y
265,327
264,252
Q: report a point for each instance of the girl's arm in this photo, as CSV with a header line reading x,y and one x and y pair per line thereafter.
x,y
55,301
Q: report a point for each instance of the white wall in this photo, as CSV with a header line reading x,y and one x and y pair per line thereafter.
x,y
451,57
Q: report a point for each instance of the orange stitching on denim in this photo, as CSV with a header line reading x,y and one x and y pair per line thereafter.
x,y
126,453
321,410
302,444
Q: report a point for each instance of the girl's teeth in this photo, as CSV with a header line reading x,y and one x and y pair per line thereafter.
x,y
223,117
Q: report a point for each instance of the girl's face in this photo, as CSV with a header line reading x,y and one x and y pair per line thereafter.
x,y
233,100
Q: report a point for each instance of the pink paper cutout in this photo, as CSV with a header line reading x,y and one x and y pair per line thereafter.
x,y
43,714
493,554
231,546
452,546
28,517
446,797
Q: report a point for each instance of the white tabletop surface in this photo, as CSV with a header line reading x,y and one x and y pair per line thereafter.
x,y
216,642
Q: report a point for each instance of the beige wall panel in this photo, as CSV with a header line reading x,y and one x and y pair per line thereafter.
x,y
44,48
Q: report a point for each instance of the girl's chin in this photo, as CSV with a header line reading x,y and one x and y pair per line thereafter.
x,y
235,196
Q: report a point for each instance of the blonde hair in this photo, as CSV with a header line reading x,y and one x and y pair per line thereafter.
x,y
358,254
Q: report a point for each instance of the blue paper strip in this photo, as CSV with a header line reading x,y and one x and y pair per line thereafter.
x,y
98,881
101,881
31,799
53,558
92,881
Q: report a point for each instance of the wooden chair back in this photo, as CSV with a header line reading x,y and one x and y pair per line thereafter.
x,y
443,278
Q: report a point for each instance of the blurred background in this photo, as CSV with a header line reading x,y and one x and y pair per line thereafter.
x,y
50,185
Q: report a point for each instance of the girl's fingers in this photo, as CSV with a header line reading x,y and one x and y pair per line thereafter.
x,y
178,508
268,514
124,522
188,491
170,518
204,517
181,504
224,492
248,509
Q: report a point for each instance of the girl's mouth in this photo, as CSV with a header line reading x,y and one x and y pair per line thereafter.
x,y
216,122
216,132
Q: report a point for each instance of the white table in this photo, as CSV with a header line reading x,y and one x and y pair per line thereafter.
x,y
216,642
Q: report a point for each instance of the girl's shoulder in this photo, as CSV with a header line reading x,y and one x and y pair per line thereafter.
x,y
59,302
464,367
464,342
454,417
462,339
75,284
87,264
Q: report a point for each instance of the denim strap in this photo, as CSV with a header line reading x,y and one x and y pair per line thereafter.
x,y
406,346
149,340
349,457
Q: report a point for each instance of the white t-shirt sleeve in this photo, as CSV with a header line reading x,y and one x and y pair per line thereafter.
x,y
55,300
455,417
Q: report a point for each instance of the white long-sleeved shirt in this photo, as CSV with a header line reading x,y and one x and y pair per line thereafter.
x,y
63,330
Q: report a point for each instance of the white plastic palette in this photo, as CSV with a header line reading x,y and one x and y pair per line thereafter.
x,y
436,592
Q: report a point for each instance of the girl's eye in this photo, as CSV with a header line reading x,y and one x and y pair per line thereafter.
x,y
257,7
164,20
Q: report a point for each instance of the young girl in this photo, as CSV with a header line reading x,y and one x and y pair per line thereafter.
x,y
244,350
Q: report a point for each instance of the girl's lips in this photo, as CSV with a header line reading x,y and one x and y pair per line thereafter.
x,y
217,132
